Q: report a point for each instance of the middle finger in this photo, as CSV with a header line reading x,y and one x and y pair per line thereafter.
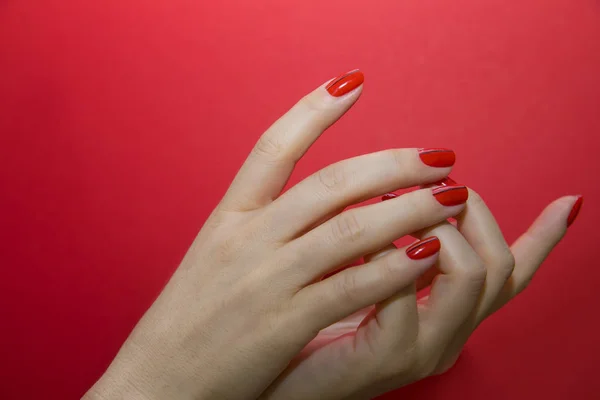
x,y
352,181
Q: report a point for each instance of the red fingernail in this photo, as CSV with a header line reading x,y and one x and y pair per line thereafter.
x,y
345,83
447,181
437,157
424,248
388,196
575,210
451,195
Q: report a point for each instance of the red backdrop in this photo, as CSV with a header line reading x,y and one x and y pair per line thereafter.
x,y
122,123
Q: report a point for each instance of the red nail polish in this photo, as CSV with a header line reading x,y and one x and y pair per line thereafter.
x,y
451,195
345,83
437,157
424,248
574,211
447,181
388,196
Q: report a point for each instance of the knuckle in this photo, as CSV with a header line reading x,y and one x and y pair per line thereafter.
x,y
478,274
228,248
475,275
279,325
346,287
283,267
347,228
269,147
333,178
505,264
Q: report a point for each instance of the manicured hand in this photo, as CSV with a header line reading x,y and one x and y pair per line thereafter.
x,y
402,340
248,295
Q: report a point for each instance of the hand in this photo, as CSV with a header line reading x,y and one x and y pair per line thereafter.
x,y
402,340
248,296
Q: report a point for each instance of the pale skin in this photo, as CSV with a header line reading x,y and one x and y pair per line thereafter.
x,y
241,316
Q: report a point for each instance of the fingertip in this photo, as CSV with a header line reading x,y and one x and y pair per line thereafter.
x,y
575,208
561,213
333,97
551,225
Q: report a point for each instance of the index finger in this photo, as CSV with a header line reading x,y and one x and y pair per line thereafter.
x,y
271,162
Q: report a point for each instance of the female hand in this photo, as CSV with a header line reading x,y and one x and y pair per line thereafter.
x,y
404,339
248,297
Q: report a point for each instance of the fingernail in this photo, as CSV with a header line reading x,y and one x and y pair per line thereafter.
x,y
345,83
451,195
575,210
437,157
424,248
447,181
388,196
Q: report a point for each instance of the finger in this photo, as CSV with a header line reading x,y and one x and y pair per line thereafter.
x,y
478,226
398,318
532,248
352,181
424,281
354,288
395,319
454,292
365,229
529,252
380,253
269,165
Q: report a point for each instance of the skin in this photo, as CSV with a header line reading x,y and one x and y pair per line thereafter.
x,y
400,341
241,316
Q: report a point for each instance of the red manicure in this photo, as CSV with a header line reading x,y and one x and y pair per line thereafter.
x,y
424,248
388,196
345,83
574,210
437,157
451,195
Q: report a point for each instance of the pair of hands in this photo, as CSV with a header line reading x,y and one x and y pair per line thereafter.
x,y
249,315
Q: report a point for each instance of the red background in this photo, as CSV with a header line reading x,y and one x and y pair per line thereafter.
x,y
122,123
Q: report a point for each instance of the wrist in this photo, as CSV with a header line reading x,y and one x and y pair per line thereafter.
x,y
116,385
131,375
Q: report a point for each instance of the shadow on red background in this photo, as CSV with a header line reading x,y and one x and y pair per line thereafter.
x,y
122,123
